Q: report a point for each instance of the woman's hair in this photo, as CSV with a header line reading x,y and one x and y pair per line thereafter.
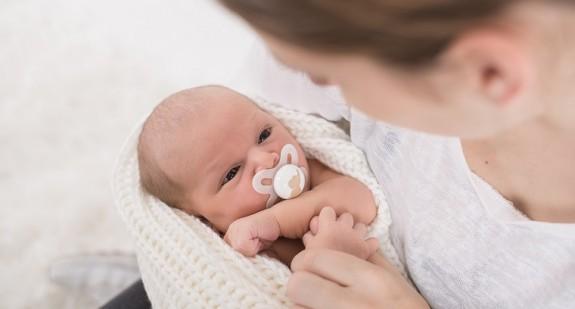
x,y
401,32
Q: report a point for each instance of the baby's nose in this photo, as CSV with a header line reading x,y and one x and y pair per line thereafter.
x,y
267,160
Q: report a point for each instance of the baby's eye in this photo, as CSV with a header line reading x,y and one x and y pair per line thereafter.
x,y
264,135
231,174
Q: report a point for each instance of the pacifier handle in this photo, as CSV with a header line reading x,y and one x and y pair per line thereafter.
x,y
289,181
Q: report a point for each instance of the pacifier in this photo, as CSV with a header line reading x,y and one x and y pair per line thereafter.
x,y
285,180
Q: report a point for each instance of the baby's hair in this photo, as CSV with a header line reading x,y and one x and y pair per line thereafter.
x,y
155,137
155,181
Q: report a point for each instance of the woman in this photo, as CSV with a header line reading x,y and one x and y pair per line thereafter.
x,y
483,218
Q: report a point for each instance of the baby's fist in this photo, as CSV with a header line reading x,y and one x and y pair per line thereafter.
x,y
250,235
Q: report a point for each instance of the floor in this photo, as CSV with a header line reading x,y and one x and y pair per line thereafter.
x,y
75,77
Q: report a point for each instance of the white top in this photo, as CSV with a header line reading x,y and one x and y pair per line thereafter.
x,y
463,244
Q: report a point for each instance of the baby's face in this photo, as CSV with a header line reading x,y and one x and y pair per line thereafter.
x,y
232,141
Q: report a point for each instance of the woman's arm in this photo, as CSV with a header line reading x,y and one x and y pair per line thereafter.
x,y
325,278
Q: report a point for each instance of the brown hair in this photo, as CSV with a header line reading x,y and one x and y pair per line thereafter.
x,y
402,32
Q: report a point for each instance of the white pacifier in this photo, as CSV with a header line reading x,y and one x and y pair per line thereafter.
x,y
285,180
289,181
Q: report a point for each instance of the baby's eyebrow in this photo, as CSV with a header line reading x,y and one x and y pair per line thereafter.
x,y
210,171
206,184
254,114
219,170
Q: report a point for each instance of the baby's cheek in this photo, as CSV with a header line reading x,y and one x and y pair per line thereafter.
x,y
251,201
258,201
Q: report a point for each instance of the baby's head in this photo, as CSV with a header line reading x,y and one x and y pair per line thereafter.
x,y
200,149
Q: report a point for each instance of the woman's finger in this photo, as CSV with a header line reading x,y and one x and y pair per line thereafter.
x,y
372,244
311,291
335,266
306,238
360,228
346,219
314,225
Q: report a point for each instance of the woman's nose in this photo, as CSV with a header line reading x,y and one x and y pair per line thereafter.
x,y
265,160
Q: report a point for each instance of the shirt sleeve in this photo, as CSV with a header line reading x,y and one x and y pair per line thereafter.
x,y
261,75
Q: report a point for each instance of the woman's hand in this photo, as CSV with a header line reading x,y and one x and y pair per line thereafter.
x,y
325,278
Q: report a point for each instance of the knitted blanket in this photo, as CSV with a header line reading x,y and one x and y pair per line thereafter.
x,y
185,264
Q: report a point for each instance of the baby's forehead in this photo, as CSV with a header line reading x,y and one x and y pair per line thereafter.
x,y
226,102
233,114
219,122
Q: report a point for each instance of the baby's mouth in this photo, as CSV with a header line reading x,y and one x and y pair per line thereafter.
x,y
285,180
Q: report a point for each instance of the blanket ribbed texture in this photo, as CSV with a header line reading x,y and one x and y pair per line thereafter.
x,y
185,264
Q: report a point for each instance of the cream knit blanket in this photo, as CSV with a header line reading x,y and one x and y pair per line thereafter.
x,y
184,264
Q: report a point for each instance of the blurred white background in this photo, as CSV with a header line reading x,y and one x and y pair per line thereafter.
x,y
75,77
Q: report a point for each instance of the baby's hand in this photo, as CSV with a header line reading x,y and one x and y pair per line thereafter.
x,y
339,234
252,234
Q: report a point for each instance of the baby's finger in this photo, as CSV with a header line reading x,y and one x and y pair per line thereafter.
x,y
360,228
326,216
346,219
314,225
249,247
228,238
307,237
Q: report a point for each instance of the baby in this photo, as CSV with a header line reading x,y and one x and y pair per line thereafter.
x,y
215,154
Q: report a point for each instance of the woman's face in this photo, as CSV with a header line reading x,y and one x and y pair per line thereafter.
x,y
443,100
